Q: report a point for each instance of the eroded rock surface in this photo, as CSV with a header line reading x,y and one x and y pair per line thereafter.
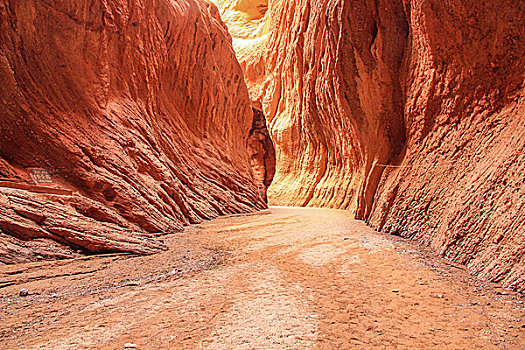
x,y
409,113
461,184
262,153
137,106
327,76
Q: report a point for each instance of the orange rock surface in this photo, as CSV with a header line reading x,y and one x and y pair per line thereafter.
x,y
461,187
409,113
327,76
138,106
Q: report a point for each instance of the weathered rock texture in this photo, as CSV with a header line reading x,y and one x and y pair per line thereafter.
x,y
262,153
410,113
462,188
327,76
138,106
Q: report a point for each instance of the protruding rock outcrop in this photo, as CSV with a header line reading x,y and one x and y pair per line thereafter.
x,y
409,113
262,153
139,107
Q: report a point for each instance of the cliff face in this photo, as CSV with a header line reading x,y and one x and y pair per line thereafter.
x,y
326,74
461,187
409,113
138,106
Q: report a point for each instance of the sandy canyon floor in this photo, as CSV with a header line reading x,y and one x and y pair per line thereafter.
x,y
285,278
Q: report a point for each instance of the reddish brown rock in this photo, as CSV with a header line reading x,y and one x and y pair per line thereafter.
x,y
262,153
139,106
409,113
333,102
34,226
461,185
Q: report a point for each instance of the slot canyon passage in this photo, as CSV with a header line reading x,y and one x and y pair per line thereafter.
x,y
388,138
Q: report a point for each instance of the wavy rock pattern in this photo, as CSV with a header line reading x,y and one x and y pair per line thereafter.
x,y
327,76
139,106
409,113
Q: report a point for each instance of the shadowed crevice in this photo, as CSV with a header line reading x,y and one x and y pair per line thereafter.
x,y
262,153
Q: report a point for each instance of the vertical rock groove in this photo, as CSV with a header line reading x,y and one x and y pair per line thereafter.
x,y
262,153
408,113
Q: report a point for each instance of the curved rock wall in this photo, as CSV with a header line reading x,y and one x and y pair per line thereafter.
x,y
410,113
327,76
139,106
461,185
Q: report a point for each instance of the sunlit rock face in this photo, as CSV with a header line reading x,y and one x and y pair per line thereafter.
x,y
326,74
139,106
409,113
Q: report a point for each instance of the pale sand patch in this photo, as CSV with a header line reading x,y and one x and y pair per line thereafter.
x,y
321,254
374,244
348,266
269,315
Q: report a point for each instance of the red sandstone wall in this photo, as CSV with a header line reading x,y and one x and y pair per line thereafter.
x,y
433,88
461,189
140,106
327,76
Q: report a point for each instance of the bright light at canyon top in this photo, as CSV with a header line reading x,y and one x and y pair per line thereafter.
x,y
246,20
250,9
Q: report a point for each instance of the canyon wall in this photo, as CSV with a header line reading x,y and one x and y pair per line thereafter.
x,y
137,107
327,77
408,113
461,185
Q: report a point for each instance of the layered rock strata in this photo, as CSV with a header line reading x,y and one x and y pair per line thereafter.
x,y
139,107
409,113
